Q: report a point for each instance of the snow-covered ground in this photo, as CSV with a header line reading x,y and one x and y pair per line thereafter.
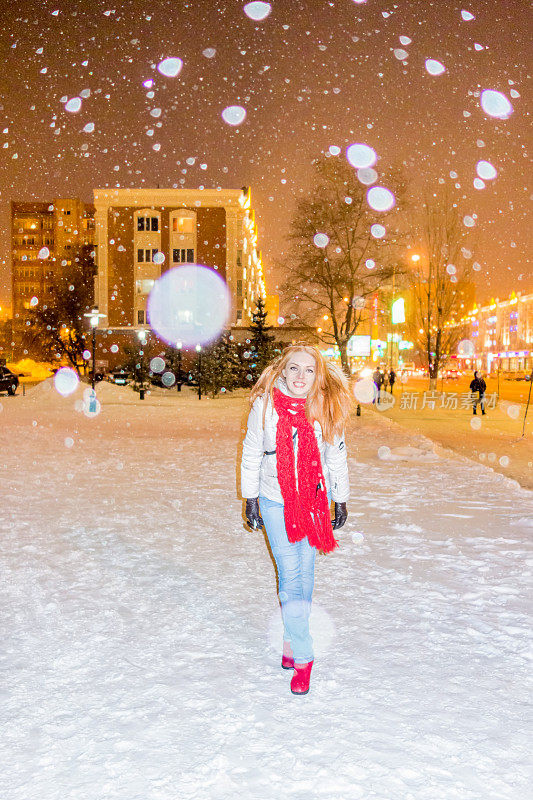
x,y
502,440
141,634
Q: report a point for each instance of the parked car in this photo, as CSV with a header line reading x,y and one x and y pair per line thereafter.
x,y
452,374
8,381
120,376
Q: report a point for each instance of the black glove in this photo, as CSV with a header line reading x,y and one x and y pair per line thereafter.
x,y
341,515
253,517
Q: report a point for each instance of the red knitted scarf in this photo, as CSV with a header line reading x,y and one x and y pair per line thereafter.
x,y
306,505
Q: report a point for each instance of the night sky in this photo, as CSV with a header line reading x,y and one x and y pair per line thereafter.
x,y
311,75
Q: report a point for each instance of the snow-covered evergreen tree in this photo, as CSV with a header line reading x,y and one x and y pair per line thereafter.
x,y
220,367
262,344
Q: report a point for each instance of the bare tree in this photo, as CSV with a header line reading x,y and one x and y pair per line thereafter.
x,y
330,278
58,327
439,282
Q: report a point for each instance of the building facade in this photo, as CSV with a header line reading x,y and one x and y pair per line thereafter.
x,y
141,233
44,239
501,334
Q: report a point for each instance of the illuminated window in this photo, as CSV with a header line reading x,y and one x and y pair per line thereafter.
x,y
144,286
183,224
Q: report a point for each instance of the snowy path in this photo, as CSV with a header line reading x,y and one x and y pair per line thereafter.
x,y
139,616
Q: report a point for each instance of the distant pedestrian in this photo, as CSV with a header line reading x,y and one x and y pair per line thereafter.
x,y
377,377
478,386
392,379
385,381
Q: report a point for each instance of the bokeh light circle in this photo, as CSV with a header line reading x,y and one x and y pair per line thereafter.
x,y
367,176
321,239
168,379
451,269
34,301
378,231
486,170
73,105
365,391
334,150
159,257
188,304
370,263
43,253
258,11
170,67
469,221
475,423
467,16
234,115
157,364
380,199
434,67
361,156
66,381
504,461
495,104
479,184
384,452
513,411
466,348
400,54
321,628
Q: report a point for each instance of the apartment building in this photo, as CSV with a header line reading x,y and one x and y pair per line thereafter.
x,y
501,333
44,238
141,233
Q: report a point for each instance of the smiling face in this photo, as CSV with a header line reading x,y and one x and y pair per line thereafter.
x,y
300,373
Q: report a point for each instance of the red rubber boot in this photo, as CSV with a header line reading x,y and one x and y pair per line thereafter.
x,y
287,659
301,678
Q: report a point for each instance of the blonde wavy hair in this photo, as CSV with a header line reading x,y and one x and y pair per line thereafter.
x,y
329,399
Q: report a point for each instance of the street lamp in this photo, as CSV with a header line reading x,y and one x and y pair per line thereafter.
x,y
93,316
199,351
142,333
179,345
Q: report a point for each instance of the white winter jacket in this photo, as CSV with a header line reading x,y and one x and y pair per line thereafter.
x,y
259,468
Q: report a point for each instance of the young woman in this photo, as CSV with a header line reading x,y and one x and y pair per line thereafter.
x,y
293,464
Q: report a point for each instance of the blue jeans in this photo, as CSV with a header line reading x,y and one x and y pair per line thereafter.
x,y
296,573
481,400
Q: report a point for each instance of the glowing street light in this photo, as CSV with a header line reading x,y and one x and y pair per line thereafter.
x,y
199,351
142,334
93,316
179,346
